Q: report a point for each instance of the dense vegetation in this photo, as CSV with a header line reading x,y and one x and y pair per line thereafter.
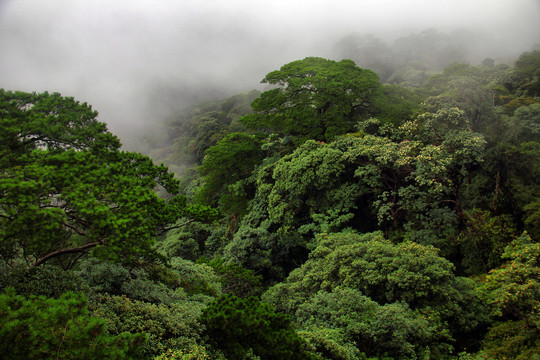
x,y
332,216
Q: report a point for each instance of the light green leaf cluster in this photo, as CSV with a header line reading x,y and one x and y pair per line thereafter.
x,y
360,284
513,291
411,180
174,326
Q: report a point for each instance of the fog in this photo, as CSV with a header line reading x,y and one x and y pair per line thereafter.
x,y
139,61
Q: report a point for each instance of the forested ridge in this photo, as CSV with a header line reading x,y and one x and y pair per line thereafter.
x,y
365,208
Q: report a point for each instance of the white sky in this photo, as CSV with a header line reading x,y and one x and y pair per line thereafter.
x,y
117,54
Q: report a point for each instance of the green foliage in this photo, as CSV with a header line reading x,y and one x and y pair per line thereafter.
x,y
47,280
315,98
188,241
517,154
191,132
197,279
514,288
391,329
532,217
439,83
524,125
30,121
483,240
512,340
174,326
456,176
163,302
151,283
472,90
527,73
43,328
67,188
196,352
229,161
408,282
237,325
271,255
309,186
396,105
331,344
236,279
407,180
103,276
513,291
440,150
316,189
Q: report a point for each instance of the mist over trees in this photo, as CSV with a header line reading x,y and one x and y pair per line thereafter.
x,y
368,195
141,63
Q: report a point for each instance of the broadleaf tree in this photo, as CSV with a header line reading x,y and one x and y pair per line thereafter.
x,y
314,98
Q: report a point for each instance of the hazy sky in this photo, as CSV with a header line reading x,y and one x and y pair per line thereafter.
x,y
136,60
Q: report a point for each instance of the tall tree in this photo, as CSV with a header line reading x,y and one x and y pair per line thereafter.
x,y
66,187
229,161
526,76
314,98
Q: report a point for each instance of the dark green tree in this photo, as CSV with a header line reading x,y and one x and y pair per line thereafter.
x,y
174,326
236,279
239,325
391,329
407,180
482,241
229,161
67,188
526,75
314,98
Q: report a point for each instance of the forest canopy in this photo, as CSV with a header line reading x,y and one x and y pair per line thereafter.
x,y
331,216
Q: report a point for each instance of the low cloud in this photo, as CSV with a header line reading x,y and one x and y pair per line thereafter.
x,y
137,62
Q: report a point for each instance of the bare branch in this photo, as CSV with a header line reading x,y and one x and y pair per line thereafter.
x,y
68,251
163,231
74,229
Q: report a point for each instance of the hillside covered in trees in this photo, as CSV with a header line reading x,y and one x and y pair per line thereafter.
x,y
366,208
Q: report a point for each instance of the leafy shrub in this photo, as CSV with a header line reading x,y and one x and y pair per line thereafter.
x,y
40,327
409,285
173,326
196,352
188,242
152,283
197,278
144,289
331,344
512,292
236,279
103,276
371,327
47,280
237,325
